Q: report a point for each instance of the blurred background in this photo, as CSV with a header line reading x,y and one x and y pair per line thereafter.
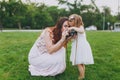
x,y
39,14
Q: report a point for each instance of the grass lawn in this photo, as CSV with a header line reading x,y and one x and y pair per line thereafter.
x,y
15,46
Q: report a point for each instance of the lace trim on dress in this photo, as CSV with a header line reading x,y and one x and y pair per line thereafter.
x,y
51,35
41,45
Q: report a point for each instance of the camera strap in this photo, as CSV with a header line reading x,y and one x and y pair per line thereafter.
x,y
67,55
76,50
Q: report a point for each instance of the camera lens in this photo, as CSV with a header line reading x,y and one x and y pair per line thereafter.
x,y
72,32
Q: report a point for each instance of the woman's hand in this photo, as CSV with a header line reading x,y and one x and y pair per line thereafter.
x,y
51,48
64,34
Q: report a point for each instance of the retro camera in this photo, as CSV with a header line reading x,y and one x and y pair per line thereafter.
x,y
71,33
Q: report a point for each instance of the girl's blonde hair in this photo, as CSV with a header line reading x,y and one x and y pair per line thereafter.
x,y
78,20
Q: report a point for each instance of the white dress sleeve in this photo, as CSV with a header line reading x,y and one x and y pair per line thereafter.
x,y
81,29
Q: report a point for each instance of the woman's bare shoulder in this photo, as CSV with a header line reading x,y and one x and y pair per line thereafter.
x,y
48,29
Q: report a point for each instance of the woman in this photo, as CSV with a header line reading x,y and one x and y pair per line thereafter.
x,y
47,56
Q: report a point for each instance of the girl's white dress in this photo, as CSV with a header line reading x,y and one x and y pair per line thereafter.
x,y
81,52
41,63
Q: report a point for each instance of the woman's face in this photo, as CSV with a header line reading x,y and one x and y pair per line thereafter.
x,y
65,26
71,21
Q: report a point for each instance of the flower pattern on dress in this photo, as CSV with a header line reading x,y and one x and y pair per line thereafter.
x,y
41,45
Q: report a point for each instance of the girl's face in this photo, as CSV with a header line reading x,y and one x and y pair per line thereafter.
x,y
71,21
65,26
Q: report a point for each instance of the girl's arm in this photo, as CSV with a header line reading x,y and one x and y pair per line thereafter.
x,y
54,47
78,29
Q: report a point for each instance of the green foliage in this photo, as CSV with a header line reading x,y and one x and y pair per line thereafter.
x,y
56,13
16,14
15,47
73,7
90,13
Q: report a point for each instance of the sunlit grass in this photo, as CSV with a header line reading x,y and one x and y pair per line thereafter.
x,y
15,46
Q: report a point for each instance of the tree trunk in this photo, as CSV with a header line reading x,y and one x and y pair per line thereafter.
x,y
1,27
19,25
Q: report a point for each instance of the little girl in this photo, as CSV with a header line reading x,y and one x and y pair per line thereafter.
x,y
81,53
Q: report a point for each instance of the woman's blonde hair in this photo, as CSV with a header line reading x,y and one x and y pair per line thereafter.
x,y
78,20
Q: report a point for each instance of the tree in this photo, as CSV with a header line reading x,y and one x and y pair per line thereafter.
x,y
106,14
2,13
42,17
90,13
55,13
73,7
96,8
118,17
17,10
14,13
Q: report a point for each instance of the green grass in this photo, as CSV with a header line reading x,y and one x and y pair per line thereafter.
x,y
15,46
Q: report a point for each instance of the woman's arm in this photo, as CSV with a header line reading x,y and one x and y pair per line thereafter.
x,y
54,47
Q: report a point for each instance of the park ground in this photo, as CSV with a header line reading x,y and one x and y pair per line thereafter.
x,y
15,46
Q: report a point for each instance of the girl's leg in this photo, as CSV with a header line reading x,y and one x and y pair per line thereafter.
x,y
81,69
84,70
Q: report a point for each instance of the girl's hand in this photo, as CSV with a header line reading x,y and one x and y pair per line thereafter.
x,y
71,28
74,37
